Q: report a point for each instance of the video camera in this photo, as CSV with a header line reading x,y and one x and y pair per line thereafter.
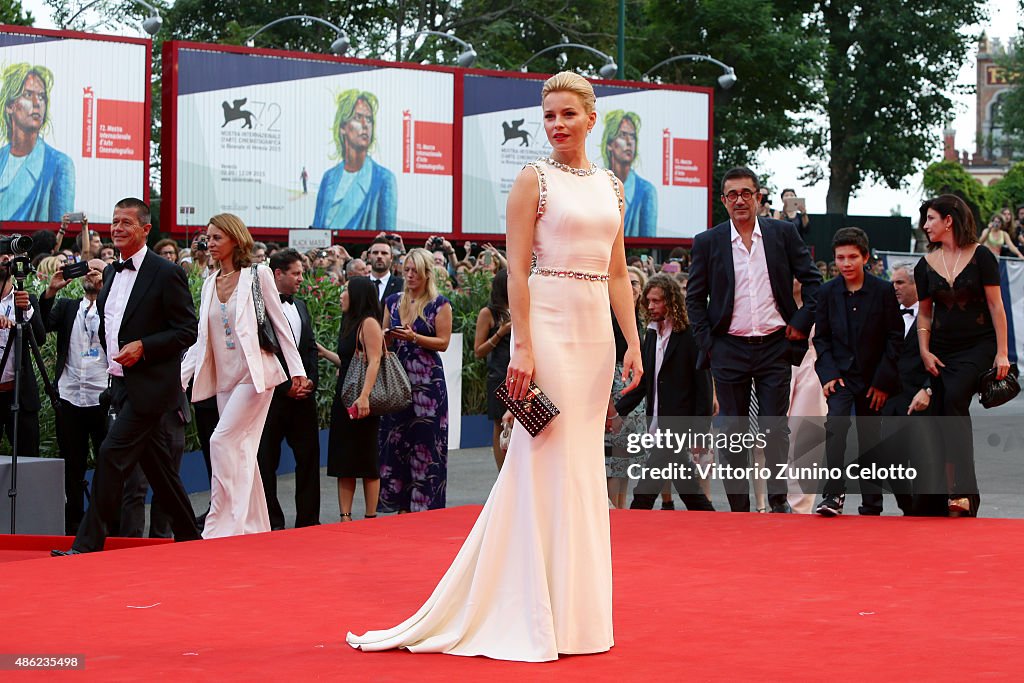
x,y
15,245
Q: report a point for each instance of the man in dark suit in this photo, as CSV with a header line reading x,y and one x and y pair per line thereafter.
x,y
674,388
28,404
910,442
380,258
747,325
81,378
293,413
858,335
147,321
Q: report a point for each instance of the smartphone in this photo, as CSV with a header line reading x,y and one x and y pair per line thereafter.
x,y
353,412
76,217
73,270
643,258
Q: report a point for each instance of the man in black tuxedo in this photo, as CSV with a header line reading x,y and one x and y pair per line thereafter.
x,y
380,257
81,378
747,325
858,335
293,414
674,389
147,321
28,404
911,442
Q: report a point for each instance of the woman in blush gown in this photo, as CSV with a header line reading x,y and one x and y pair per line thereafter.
x,y
533,579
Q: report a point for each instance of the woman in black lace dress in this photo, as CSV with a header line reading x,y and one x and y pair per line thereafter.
x,y
961,328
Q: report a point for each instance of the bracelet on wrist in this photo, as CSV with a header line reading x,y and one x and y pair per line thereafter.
x,y
924,329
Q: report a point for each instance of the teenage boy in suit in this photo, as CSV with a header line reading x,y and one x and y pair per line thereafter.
x,y
858,337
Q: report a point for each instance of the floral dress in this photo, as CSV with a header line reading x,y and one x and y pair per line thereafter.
x,y
414,442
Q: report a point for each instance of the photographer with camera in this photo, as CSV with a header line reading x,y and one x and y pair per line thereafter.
x,y
81,376
200,255
15,297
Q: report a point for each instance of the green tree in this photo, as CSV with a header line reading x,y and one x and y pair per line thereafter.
x,y
889,69
11,12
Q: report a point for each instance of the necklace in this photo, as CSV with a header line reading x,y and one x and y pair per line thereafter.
x,y
226,274
572,169
946,266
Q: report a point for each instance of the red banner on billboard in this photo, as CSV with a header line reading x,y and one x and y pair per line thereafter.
x,y
433,148
119,126
88,107
685,161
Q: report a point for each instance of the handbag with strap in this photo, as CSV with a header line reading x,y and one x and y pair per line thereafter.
x,y
265,328
392,390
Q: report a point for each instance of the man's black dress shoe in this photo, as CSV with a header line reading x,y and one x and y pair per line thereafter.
x,y
62,553
784,509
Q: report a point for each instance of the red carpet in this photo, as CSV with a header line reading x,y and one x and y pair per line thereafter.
x,y
698,596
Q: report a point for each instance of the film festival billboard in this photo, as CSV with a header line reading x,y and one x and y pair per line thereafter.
x,y
288,141
655,140
75,129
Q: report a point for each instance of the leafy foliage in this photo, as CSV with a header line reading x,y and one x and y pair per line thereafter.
x,y
949,177
888,70
11,12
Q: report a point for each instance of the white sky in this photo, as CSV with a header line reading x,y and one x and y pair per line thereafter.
x,y
782,167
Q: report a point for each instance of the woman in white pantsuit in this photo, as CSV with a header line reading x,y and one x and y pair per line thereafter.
x,y
227,362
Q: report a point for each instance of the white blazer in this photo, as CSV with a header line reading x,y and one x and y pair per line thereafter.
x,y
264,367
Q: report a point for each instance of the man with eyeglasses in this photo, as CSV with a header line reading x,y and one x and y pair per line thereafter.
x,y
747,323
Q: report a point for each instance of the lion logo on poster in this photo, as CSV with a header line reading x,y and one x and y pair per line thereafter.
x,y
234,112
513,132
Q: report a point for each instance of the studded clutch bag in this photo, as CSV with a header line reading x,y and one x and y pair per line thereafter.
x,y
535,411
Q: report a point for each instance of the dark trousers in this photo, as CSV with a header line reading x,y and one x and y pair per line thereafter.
x,y
295,421
133,500
850,404
28,426
736,366
647,489
207,417
908,440
134,438
76,428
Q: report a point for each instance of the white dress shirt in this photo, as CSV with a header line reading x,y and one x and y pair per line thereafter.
x,y
85,372
664,332
294,321
113,309
383,284
754,311
7,310
908,321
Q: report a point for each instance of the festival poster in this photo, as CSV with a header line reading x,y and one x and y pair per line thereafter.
x,y
74,132
655,140
297,143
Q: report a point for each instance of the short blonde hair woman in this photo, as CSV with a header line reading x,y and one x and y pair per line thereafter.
x,y
534,578
50,265
228,362
414,442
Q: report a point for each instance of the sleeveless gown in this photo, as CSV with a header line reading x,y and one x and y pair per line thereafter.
x,y
533,579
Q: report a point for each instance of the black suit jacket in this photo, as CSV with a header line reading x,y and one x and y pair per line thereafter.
x,y
682,389
160,314
307,350
29,398
913,376
711,288
880,341
395,284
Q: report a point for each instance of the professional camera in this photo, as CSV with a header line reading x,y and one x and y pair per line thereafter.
x,y
435,244
202,245
15,245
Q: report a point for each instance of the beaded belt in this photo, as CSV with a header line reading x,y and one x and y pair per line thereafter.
x,y
576,274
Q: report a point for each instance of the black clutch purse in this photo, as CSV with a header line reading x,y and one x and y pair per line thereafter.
x,y
995,392
535,411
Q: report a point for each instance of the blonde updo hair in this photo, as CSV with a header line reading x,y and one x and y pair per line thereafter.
x,y
567,81
232,226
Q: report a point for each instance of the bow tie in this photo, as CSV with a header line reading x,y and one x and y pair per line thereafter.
x,y
907,311
123,265
287,298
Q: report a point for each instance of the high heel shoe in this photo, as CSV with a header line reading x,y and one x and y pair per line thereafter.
x,y
346,516
959,507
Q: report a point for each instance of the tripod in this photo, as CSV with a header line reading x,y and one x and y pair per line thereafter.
x,y
20,267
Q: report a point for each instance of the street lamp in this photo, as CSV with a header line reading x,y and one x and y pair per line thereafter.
x,y
465,59
607,71
150,25
338,47
726,80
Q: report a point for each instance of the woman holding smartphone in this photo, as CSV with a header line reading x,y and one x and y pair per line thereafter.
x,y
414,442
352,445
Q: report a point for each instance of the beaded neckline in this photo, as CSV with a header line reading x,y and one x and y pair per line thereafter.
x,y
571,169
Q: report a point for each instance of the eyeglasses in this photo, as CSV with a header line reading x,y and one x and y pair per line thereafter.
x,y
732,196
